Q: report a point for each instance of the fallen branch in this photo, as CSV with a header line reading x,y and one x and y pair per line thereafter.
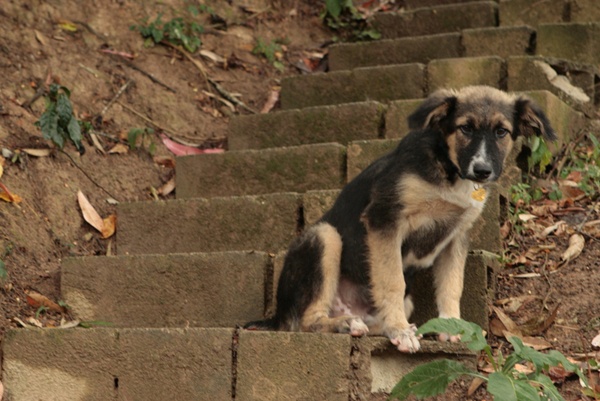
x,y
87,175
117,95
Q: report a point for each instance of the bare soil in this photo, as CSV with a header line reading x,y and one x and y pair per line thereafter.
x,y
47,225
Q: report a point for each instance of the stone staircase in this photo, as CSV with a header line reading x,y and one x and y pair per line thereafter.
x,y
189,271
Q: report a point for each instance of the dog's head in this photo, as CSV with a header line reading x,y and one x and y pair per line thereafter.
x,y
480,125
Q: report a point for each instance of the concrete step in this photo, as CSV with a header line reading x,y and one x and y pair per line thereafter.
x,y
264,223
517,12
574,83
437,19
254,172
496,41
382,84
205,364
572,41
339,123
222,289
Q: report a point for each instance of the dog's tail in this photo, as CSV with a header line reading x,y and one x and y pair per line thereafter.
x,y
260,325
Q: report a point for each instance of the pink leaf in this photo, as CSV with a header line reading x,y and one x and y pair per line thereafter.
x,y
182,150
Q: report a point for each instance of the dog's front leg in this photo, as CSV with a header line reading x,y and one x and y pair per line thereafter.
x,y
388,289
449,272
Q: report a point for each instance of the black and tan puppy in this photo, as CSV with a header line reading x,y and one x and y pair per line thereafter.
x,y
410,209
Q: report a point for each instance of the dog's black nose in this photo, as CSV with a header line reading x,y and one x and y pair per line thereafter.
x,y
482,171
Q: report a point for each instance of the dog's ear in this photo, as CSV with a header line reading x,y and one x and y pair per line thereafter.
x,y
433,110
531,120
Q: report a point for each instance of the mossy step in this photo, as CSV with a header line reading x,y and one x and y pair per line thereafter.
x,y
221,289
254,172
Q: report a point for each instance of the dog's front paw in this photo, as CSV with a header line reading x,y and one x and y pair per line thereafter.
x,y
405,340
447,337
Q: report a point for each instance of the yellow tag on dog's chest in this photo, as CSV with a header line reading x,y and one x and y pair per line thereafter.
x,y
478,194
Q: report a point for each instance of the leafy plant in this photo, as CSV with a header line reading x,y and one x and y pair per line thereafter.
x,y
343,17
272,51
540,154
143,136
58,122
178,31
505,383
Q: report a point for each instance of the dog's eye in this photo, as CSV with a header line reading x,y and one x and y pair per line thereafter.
x,y
466,129
501,132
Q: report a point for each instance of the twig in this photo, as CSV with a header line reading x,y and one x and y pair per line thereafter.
x,y
143,117
218,87
561,162
117,95
147,74
87,175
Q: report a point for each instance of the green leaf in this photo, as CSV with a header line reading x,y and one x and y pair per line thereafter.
x,y
74,131
64,109
3,273
429,379
471,334
132,137
334,8
48,122
548,388
506,388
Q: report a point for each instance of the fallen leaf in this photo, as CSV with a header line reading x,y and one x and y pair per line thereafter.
x,y
558,374
475,384
97,143
38,152
183,150
558,227
576,243
36,300
527,216
67,26
519,367
68,325
271,101
40,38
514,303
89,213
21,323
167,188
119,148
537,343
510,325
109,226
34,322
212,56
596,341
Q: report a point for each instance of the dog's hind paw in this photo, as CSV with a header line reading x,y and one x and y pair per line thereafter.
x,y
447,337
405,340
358,328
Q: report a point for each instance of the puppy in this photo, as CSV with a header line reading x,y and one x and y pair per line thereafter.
x,y
409,210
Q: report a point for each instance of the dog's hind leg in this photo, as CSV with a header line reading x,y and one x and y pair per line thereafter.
x,y
317,316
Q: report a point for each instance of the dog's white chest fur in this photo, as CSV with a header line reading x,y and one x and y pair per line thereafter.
x,y
432,224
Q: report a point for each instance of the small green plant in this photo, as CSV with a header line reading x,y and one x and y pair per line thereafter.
x,y
343,17
142,137
540,154
58,123
40,310
178,31
272,51
505,383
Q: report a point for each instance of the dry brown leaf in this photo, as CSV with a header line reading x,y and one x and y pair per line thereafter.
x,y
271,101
557,228
527,216
497,328
519,367
165,161
89,213
596,341
34,322
40,38
68,325
576,244
514,303
109,226
167,188
38,152
510,325
119,148
97,143
212,56
537,343
544,210
475,384
36,300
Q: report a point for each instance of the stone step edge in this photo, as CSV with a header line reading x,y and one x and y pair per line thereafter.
x,y
112,361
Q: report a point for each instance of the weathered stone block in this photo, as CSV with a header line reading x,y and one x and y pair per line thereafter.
x,y
362,153
521,12
441,19
585,11
372,83
485,233
396,117
182,364
254,172
198,290
499,41
111,364
340,123
316,203
571,41
473,304
293,366
536,73
265,223
455,73
422,49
